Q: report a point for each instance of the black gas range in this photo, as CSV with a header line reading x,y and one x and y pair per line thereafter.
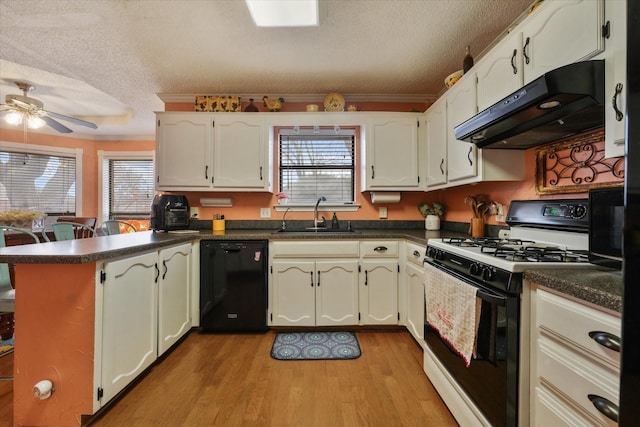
x,y
543,234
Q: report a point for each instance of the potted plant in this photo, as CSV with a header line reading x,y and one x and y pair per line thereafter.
x,y
282,197
432,213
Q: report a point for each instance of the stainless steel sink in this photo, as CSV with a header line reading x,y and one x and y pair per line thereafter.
x,y
314,230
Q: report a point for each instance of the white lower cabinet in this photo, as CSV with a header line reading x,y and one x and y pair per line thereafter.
x,y
144,302
129,327
174,295
574,378
313,283
379,283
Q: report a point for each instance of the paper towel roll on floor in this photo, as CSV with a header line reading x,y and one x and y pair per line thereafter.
x,y
387,197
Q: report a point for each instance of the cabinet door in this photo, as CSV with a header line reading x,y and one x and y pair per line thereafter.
x,y
461,105
615,78
415,303
500,72
129,323
379,292
436,123
337,293
183,151
293,293
240,154
560,33
174,313
392,154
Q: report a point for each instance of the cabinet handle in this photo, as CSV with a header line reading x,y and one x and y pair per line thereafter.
x,y
206,172
469,156
380,249
524,50
416,254
311,273
605,406
366,277
442,166
318,278
606,339
157,272
373,172
164,264
260,173
513,61
614,101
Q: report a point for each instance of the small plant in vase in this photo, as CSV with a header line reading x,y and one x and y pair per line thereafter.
x,y
282,198
432,213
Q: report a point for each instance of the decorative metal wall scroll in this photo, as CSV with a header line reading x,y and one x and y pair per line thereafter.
x,y
575,165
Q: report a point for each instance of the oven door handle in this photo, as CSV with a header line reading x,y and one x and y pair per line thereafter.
x,y
482,292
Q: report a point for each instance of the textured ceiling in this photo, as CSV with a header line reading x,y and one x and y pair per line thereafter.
x,y
107,60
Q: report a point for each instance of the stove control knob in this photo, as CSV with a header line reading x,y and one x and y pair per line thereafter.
x,y
475,269
431,252
440,255
579,211
488,273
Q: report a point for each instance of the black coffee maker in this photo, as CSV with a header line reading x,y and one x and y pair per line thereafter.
x,y
169,212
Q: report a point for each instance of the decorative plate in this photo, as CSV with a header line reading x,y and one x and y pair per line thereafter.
x,y
334,102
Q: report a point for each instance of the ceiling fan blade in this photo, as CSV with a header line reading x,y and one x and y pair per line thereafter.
x,y
72,119
56,125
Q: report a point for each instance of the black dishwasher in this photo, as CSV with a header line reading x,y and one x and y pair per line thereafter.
x,y
233,286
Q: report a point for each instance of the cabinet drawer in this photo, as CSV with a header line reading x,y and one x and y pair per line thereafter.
x,y
572,321
576,377
316,249
551,411
379,249
415,253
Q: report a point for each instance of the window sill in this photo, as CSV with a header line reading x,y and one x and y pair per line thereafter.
x,y
324,207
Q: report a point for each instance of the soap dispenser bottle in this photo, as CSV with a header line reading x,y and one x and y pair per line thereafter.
x,y
334,221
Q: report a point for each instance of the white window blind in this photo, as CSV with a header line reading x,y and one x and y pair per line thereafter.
x,y
131,188
317,163
39,182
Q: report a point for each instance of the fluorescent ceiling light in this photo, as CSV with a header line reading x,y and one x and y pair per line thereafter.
x,y
286,13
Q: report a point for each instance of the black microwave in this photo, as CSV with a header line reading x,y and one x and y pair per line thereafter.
x,y
606,219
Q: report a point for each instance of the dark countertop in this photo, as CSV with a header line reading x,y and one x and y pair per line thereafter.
x,y
600,286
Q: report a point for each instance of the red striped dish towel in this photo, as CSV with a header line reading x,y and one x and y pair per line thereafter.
x,y
452,310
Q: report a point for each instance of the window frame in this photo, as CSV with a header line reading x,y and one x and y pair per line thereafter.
x,y
44,150
103,205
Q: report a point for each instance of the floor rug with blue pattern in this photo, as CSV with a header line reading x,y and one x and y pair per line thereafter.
x,y
315,346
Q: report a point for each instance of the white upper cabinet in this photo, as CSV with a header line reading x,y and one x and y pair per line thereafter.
x,y
217,152
241,155
436,134
615,77
461,106
183,151
391,154
500,71
560,33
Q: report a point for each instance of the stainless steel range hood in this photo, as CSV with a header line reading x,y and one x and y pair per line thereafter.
x,y
563,102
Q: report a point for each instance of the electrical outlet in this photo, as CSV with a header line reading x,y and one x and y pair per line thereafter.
x,y
500,213
194,212
265,213
383,213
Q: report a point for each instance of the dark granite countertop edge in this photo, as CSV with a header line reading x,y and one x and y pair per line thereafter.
x,y
592,284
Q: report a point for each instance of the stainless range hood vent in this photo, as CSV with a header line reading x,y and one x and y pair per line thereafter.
x,y
561,103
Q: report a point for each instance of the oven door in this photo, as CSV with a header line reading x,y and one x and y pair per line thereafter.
x,y
491,380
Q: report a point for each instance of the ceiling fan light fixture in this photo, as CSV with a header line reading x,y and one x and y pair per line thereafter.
x,y
13,117
286,13
35,122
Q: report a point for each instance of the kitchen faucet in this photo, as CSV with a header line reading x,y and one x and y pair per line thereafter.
x,y
284,224
316,221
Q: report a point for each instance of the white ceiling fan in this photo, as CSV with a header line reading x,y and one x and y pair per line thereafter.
x,y
19,108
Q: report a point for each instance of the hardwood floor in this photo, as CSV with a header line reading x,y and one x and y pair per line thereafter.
x,y
231,380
